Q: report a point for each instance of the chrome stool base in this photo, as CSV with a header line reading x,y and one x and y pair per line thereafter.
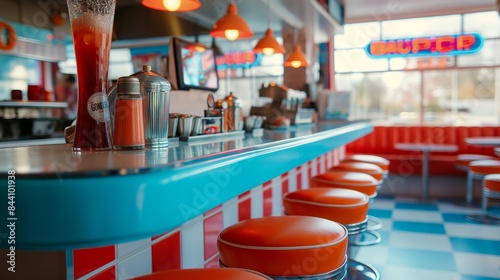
x,y
366,238
340,273
472,204
361,271
374,223
484,219
359,236
486,216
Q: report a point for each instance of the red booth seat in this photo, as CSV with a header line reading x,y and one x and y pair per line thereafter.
x,y
381,142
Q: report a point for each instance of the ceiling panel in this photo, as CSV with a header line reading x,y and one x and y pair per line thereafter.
x,y
278,14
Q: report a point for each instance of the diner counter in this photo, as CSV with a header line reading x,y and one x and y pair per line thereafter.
x,y
65,199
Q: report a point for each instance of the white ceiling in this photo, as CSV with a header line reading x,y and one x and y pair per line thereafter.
x,y
276,14
304,13
307,14
372,10
355,10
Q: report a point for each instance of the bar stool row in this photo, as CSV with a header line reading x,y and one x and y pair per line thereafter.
x,y
487,169
315,238
301,246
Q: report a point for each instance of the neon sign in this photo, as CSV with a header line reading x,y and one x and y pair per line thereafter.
x,y
238,59
426,46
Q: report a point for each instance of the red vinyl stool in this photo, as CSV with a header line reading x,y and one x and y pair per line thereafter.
x,y
477,170
344,206
205,274
357,181
491,189
377,160
462,161
286,247
368,168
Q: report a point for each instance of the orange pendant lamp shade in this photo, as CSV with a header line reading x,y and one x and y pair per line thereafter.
x,y
296,59
268,44
172,5
231,26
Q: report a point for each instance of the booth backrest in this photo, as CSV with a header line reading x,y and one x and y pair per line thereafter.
x,y
381,141
383,138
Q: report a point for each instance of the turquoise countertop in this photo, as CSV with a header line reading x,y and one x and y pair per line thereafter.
x,y
66,199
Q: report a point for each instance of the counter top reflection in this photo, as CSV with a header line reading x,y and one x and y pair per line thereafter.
x,y
67,199
60,160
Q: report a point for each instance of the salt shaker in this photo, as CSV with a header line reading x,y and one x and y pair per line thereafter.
x,y
128,119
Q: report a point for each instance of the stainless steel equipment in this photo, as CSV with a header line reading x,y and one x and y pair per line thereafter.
x,y
285,103
155,92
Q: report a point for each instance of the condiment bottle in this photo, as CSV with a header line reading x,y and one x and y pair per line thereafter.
x,y
129,121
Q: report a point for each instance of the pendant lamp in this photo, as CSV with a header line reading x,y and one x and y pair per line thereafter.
x,y
268,44
296,58
172,5
231,26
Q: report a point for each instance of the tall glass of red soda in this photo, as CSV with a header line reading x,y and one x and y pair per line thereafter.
x,y
92,25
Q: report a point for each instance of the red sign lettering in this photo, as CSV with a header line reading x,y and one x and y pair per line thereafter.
x,y
425,46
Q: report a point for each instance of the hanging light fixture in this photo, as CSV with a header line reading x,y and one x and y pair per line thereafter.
x,y
296,58
172,5
231,26
268,44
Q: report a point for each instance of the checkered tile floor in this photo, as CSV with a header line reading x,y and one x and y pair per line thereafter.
x,y
431,241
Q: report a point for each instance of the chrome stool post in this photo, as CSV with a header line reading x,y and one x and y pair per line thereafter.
x,y
375,167
491,189
337,274
204,273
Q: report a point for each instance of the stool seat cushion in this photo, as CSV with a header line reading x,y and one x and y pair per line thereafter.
x,y
205,274
363,167
463,160
357,181
340,205
284,245
492,182
377,160
485,166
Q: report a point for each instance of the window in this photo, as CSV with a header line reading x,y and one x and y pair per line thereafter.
x,y
488,56
462,97
383,96
17,73
357,35
405,28
450,90
485,23
356,60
